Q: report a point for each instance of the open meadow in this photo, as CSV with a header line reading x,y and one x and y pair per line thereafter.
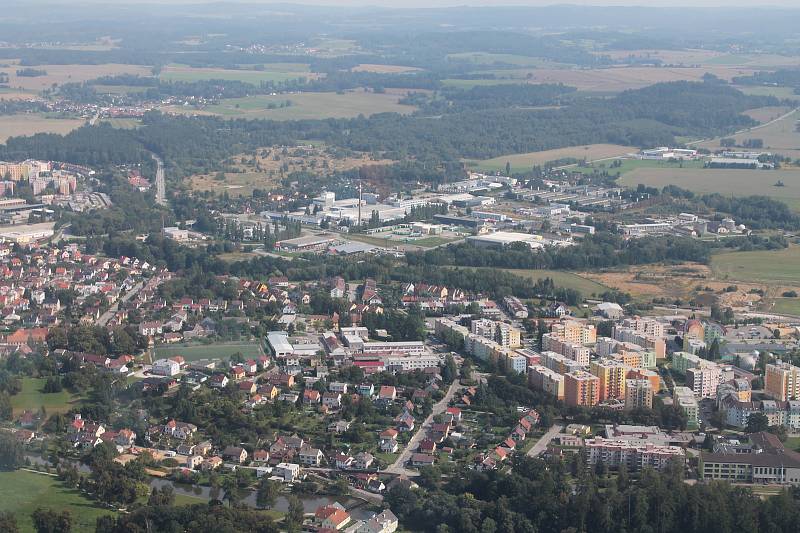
x,y
778,267
730,182
32,397
303,106
22,492
524,162
561,278
31,123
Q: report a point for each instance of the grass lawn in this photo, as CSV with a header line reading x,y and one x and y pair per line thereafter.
x,y
193,352
792,443
730,182
304,106
775,266
21,492
32,398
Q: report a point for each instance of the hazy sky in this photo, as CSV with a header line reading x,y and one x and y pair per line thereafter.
x,y
451,3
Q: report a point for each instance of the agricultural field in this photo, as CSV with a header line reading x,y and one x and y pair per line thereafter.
x,y
222,350
776,267
524,162
731,182
303,106
30,124
485,59
607,80
692,57
383,69
123,123
275,72
777,92
31,398
60,74
22,492
780,136
767,114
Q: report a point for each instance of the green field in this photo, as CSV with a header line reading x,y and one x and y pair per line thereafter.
x,y
124,123
777,92
31,398
628,165
304,106
276,72
21,492
194,352
724,181
776,267
468,84
785,306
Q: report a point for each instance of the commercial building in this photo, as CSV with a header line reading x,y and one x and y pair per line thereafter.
x,y
581,389
307,243
768,462
501,239
782,381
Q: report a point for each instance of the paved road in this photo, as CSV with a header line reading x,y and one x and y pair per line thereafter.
x,y
398,466
541,445
105,317
161,188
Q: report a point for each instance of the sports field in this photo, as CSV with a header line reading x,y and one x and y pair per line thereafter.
x,y
304,106
30,124
193,352
774,267
730,182
626,165
524,162
276,72
32,397
22,492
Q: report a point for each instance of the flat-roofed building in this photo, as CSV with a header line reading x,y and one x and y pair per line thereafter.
x,y
581,389
782,381
638,394
543,379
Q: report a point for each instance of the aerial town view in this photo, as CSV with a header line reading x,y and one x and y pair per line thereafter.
x,y
380,266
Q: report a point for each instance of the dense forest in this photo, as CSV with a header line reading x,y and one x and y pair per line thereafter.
x,y
646,117
553,497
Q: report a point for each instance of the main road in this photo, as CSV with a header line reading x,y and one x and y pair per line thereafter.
x,y
161,187
439,407
105,317
541,445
